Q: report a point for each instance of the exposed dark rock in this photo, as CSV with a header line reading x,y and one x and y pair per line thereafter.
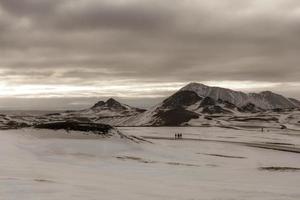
x,y
53,114
223,156
207,101
140,110
208,118
275,168
181,99
14,125
278,110
248,119
250,107
215,110
98,104
76,126
175,117
283,127
112,103
227,104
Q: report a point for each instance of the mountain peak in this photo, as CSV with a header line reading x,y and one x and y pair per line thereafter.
x,y
111,100
264,100
267,92
112,106
181,98
112,103
193,85
99,104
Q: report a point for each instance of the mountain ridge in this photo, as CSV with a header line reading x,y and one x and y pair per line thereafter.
x,y
266,99
186,105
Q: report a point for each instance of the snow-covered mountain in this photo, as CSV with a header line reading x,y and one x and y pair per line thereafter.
x,y
112,108
198,104
100,112
264,100
194,104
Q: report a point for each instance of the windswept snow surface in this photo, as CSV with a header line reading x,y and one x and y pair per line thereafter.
x,y
55,165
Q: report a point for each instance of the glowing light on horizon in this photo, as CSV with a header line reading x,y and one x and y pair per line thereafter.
x,y
241,85
125,89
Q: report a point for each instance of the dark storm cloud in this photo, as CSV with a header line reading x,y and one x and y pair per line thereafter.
x,y
81,42
29,7
102,14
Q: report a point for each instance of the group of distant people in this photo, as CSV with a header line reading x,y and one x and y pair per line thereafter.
x,y
178,136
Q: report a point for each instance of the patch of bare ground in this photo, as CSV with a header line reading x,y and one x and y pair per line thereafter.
x,y
279,143
280,169
223,156
135,159
226,137
96,128
212,165
247,119
43,181
141,160
182,164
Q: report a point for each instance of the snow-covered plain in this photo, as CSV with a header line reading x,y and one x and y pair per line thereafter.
x,y
55,165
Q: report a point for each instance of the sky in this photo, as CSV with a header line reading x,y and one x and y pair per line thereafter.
x,y
68,54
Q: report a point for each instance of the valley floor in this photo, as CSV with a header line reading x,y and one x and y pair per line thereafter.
x,y
55,165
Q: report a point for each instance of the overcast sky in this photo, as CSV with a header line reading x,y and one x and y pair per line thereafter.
x,y
74,52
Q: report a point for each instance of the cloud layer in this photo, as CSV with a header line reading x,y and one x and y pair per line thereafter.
x,y
91,43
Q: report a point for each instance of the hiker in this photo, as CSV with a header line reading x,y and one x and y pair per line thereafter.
x,y
178,135
175,136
